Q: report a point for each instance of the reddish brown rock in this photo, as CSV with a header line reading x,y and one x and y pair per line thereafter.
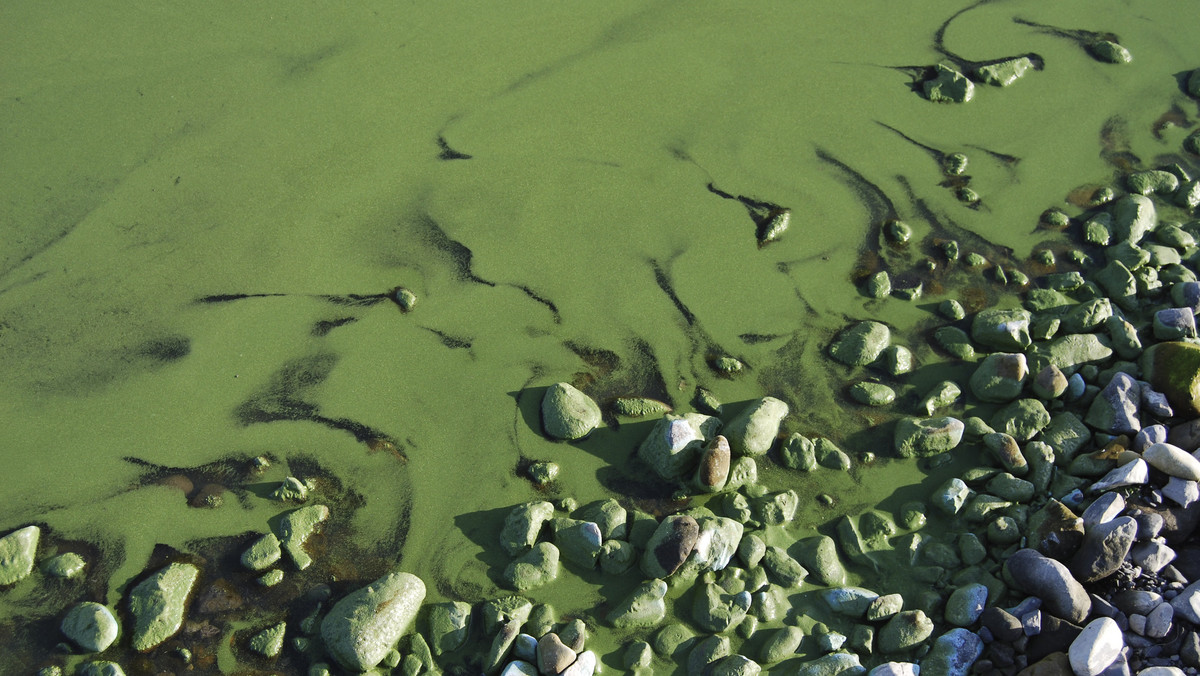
x,y
713,471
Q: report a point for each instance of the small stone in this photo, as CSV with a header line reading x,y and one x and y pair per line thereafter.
x,y
296,527
642,608
578,541
948,86
781,644
941,396
66,565
17,550
567,413
158,603
899,359
872,394
1004,73
1104,548
955,342
857,602
1152,181
953,653
905,630
1117,409
100,668
269,641
787,571
552,655
716,611
1133,473
363,626
673,445
533,569
405,298
91,626
1108,52
271,578
263,553
819,555
951,496
1022,419
670,545
878,285
290,489
1174,324
861,344
917,437
542,473
799,452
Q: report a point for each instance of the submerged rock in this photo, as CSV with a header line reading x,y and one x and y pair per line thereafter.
x,y
158,604
948,86
365,625
296,527
642,608
1005,72
1109,52
567,413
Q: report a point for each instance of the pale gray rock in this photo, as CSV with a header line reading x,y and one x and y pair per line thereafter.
x,y
1182,493
1104,548
1096,647
91,626
1133,473
158,604
1051,581
17,550
1173,461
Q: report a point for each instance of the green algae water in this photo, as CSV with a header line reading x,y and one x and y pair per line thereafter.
x,y
206,206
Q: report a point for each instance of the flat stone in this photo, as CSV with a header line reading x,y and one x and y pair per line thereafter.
x,y
296,527
1004,73
1051,581
158,604
861,344
1117,408
1073,350
1096,647
1103,509
17,550
920,437
854,601
754,430
91,626
365,625
567,413
1133,473
263,553
1173,461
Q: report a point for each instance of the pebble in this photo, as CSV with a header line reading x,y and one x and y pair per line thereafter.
x,y
781,644
552,655
1103,509
1151,556
895,669
269,641
1159,620
263,553
1173,461
1096,647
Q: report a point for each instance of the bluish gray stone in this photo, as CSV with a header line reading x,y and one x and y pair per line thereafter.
x,y
953,654
1050,581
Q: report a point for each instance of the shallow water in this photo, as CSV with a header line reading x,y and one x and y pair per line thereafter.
x,y
539,175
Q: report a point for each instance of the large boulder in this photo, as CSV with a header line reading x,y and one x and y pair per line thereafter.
x,y
365,625
159,603
568,413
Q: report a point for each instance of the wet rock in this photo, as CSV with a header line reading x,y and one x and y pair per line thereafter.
x,y
519,668
966,604
263,553
953,654
64,566
158,603
364,626
567,413
501,647
872,394
1022,419
90,626
948,86
1103,509
1124,338
716,611
644,607
639,407
290,489
1133,217
1010,488
921,437
1118,406
787,571
522,526
1051,581
955,342
1182,493
713,470
1096,647
1173,461
951,496
617,557
751,550
449,624
296,527
1004,73
578,541
820,556
1066,434
1108,52
17,550
673,445
269,641
898,359
754,430
895,669
1003,625
99,668
799,452
1002,329
670,545
861,344
1152,181
1104,547
830,456
907,629
1005,449
878,285
533,569
1174,324
1000,377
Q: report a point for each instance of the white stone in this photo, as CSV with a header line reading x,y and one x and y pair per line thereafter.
x,y
1096,647
584,665
1182,492
1152,556
1173,461
1161,671
1133,473
896,669
519,668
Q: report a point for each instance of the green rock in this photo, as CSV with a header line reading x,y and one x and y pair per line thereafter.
x,y
706,402
158,604
735,665
878,285
449,624
608,514
672,640
1152,181
1041,300
955,342
522,526
100,668
948,86
776,224
774,509
90,626
579,541
921,437
567,413
642,608
361,628
754,430
1130,255
830,456
942,395
952,310
781,644
706,652
639,407
872,394
1109,52
1088,316
899,359
1000,377
405,298
543,473
897,232
263,553
296,527
66,565
716,611
787,571
1002,329
907,629
1072,350
1133,217
17,550
533,569
1011,488
819,555
751,550
673,445
727,365
1173,368
290,489
1022,419
954,164
909,292
271,578
269,641
617,556
861,344
1004,73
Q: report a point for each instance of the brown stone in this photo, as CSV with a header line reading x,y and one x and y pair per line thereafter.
x,y
714,465
1054,664
1173,368
670,545
552,655
1050,382
1056,531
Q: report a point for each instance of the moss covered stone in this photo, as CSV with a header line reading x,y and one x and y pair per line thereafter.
x,y
567,413
861,344
361,628
296,527
17,550
158,604
1173,368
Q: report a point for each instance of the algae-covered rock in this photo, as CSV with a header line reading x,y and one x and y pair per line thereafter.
x,y
533,569
942,395
66,565
670,545
872,394
819,555
716,611
1022,419
1004,73
449,624
1109,52
799,452
955,341
296,527
269,641
1002,329
567,413
861,344
90,626
1070,351
579,541
361,628
920,437
673,445
100,668
787,571
159,603
907,629
262,553
948,86
999,377
754,430
17,550
522,525
639,407
1173,368
644,607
